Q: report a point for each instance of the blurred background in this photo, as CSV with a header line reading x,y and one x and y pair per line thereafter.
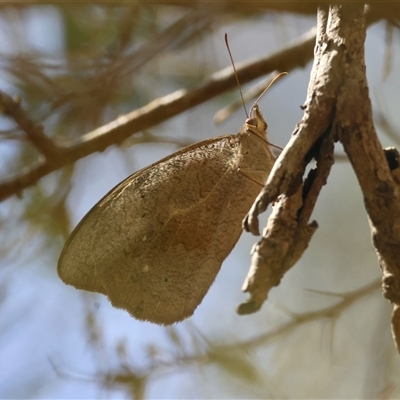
x,y
76,67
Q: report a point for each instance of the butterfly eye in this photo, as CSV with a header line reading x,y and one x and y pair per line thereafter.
x,y
251,122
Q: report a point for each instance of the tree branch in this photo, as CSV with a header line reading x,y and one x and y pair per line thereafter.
x,y
13,109
379,184
295,55
288,232
338,104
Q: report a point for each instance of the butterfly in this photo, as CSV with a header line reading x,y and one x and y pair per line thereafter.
x,y
155,243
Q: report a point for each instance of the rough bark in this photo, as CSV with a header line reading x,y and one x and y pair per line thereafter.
x,y
338,107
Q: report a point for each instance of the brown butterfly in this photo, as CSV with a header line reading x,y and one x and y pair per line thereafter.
x,y
155,243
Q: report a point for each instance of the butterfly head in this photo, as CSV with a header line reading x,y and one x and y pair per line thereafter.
x,y
256,122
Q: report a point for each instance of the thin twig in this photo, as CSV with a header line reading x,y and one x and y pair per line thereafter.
x,y
206,353
34,132
161,369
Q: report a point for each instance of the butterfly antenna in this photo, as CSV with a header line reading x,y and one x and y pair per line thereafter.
x,y
279,76
236,75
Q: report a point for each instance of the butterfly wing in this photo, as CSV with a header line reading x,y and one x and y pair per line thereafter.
x,y
155,243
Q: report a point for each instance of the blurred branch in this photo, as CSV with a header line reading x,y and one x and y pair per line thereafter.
x,y
249,95
148,137
332,312
34,132
389,11
135,379
382,120
376,11
295,55
97,76
12,134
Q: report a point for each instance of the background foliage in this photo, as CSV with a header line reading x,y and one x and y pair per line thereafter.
x,y
76,67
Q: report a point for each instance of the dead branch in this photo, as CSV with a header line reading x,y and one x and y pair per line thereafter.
x,y
288,231
338,104
379,184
